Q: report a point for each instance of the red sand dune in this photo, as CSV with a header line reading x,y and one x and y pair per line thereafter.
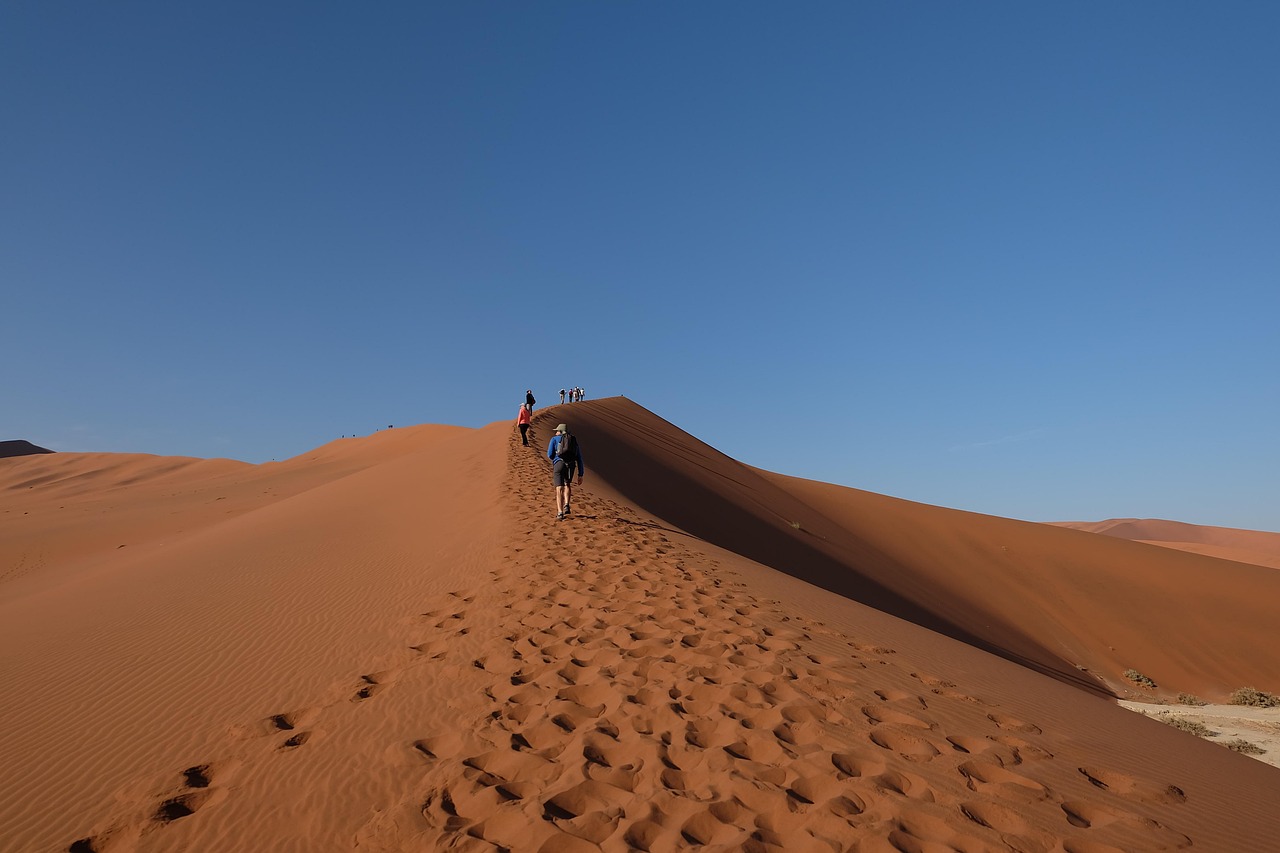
x,y
384,645
1243,546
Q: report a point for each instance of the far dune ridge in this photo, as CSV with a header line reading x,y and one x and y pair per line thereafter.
x,y
1243,546
19,447
379,646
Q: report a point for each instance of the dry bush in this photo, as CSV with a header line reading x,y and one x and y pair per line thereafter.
x,y
1254,698
1194,727
1138,678
1242,745
1190,699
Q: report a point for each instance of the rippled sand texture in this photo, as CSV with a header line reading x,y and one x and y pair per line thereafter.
x,y
406,651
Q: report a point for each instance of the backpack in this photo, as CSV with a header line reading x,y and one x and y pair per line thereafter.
x,y
567,448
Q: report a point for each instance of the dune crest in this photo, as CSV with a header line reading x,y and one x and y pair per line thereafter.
x,y
1243,546
406,651
19,447
1081,608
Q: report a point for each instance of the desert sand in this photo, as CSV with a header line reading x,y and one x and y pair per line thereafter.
x,y
389,644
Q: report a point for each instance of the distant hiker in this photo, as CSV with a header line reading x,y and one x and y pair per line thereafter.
x,y
522,421
562,396
565,454
528,399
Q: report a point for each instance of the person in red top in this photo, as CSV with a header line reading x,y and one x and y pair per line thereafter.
x,y
522,421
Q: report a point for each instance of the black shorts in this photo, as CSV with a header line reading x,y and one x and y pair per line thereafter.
x,y
562,472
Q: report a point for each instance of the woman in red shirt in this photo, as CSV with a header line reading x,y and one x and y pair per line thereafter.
x,y
526,412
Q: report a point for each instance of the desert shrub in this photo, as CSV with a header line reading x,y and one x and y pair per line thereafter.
x,y
1194,727
1190,699
1138,678
1242,745
1254,698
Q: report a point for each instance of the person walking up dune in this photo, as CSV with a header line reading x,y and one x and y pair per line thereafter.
x,y
565,454
528,399
522,421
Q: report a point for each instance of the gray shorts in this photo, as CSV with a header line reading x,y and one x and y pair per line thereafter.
x,y
562,472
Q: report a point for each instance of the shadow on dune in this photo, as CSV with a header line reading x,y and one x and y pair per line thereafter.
x,y
699,490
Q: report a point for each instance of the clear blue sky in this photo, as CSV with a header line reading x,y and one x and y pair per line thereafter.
x,y
1017,258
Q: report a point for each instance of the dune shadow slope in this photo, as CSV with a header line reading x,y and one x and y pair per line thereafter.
x,y
1047,598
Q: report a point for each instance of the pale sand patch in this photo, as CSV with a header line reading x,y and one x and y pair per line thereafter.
x,y
1259,726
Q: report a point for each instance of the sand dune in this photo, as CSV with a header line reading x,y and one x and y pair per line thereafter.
x,y
1082,608
390,644
1243,546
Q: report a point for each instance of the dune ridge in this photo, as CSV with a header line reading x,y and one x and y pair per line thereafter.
x,y
1258,547
410,653
1079,607
20,447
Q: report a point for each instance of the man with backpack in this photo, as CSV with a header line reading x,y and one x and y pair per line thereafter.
x,y
565,455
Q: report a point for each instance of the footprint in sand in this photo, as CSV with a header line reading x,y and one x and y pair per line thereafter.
x,y
995,816
906,784
1013,724
588,810
372,684
872,649
853,765
997,781
926,831
432,649
439,747
908,745
892,695
1021,749
290,720
295,723
931,680
196,791
970,745
1130,787
888,715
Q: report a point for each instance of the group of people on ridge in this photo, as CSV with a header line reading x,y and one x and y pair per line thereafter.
x,y
563,450
575,395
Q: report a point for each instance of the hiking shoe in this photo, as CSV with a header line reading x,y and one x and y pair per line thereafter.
x,y
559,516
566,509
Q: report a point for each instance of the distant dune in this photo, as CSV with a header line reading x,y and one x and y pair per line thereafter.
x,y
19,447
1243,546
389,643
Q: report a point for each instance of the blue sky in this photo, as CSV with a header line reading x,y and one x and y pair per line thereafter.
x,y
1013,258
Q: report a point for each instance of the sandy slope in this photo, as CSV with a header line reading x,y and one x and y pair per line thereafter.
x,y
406,652
1244,546
1080,607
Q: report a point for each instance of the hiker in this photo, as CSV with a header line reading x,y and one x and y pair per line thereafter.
x,y
528,399
522,421
562,396
565,454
